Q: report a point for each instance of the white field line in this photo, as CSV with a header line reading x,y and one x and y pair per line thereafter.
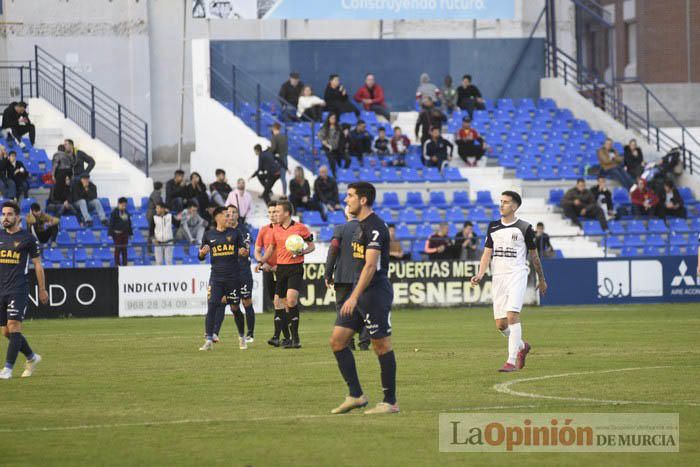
x,y
505,388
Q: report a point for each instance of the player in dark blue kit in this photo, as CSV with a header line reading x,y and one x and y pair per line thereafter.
x,y
223,244
17,246
370,301
245,293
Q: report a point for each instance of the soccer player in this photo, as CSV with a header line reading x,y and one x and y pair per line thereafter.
x,y
16,247
245,293
370,300
290,267
269,273
223,243
508,242
340,270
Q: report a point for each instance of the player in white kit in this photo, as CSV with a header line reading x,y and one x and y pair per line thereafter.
x,y
508,243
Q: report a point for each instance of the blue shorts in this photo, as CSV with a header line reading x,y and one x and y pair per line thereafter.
x,y
12,307
246,290
374,307
218,289
354,321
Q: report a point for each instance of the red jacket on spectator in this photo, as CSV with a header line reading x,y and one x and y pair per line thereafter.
x,y
377,95
640,195
400,144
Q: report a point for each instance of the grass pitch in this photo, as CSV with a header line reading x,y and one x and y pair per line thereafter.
x,y
138,392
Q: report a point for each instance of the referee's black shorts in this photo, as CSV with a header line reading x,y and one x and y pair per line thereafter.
x,y
289,276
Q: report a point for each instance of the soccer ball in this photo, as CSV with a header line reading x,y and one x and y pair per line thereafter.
x,y
295,244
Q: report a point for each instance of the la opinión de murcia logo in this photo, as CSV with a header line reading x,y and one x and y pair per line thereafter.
x,y
682,278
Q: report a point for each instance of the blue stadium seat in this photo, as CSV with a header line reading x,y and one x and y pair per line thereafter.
x,y
432,215
455,214
614,241
657,226
636,227
387,215
432,174
346,176
80,255
438,200
325,234
368,175
695,224
616,227
139,221
93,263
461,198
687,195
453,174
391,175
592,228
65,264
409,216
411,175
138,237
678,239
69,223
179,252
633,240
64,239
483,198
555,196
629,251
424,231
654,251
193,251
103,254
478,214
655,240
403,233
679,225
54,255
390,200
313,218
414,199
621,196
190,260
675,250
25,204
336,217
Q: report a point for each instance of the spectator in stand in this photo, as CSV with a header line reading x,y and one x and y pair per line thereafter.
x,y
430,117
336,97
427,90
289,94
329,135
381,145
120,229
469,97
300,193
41,225
344,146
611,164
449,95
242,200
154,199
360,142
437,151
466,243
196,192
396,252
579,201
603,196
371,96
62,164
634,159
192,225
82,162
674,205
220,189
85,200
268,172
470,145
163,234
16,123
279,147
399,146
7,184
326,191
176,191
60,200
644,200
544,247
439,244
19,175
310,107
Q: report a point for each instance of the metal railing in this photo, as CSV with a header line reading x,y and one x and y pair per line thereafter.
x,y
16,81
608,98
91,109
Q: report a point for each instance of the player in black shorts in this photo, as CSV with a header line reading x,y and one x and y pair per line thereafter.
x,y
370,300
17,246
245,292
224,245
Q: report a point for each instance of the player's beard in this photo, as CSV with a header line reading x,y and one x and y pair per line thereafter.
x,y
6,224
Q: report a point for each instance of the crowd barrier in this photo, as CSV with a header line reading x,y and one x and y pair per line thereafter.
x,y
182,290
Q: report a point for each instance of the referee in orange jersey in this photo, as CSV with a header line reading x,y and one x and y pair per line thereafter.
x,y
290,268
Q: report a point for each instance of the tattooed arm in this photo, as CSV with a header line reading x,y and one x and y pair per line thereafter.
x,y
537,264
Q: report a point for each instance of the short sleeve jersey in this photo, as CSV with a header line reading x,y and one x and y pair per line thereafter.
x,y
264,238
279,238
246,241
373,234
345,265
224,248
510,244
15,251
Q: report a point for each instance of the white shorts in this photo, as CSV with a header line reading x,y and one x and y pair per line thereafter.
x,y
508,292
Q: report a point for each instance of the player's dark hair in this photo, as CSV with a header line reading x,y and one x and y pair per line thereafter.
x,y
360,122
286,205
469,77
669,183
580,180
161,204
219,172
392,226
514,196
540,224
331,76
257,147
218,210
70,141
12,152
364,190
11,204
232,206
122,200
180,172
192,204
157,185
381,128
272,204
61,148
468,224
35,207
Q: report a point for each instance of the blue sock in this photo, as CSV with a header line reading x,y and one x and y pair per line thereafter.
x,y
25,349
387,363
210,320
13,349
219,320
250,319
346,364
240,321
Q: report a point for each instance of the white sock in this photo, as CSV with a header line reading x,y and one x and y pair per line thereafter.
x,y
505,332
515,342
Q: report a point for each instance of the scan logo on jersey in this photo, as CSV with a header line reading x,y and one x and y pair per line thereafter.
x,y
10,256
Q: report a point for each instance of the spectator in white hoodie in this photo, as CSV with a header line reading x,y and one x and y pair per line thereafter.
x,y
310,105
163,234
